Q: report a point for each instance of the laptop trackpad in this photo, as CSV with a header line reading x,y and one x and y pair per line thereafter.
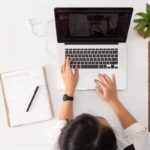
x,y
88,80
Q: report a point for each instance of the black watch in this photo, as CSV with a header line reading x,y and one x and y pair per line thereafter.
x,y
67,98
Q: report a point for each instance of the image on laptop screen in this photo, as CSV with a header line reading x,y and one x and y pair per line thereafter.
x,y
93,24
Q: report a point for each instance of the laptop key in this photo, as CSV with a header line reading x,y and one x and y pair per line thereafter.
x,y
112,66
113,62
101,66
115,52
89,66
114,59
67,55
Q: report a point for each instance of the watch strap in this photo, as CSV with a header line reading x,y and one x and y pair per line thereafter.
x,y
67,98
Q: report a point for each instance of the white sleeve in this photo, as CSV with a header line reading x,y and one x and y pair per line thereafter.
x,y
55,133
137,134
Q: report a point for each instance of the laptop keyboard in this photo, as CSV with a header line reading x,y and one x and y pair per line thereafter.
x,y
93,58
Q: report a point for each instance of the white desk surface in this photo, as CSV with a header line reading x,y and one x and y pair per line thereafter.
x,y
29,50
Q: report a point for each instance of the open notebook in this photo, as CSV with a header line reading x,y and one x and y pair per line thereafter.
x,y
18,88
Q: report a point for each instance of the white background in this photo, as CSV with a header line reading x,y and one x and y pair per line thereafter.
x,y
20,48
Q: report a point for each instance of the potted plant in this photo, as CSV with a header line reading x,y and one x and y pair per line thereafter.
x,y
143,23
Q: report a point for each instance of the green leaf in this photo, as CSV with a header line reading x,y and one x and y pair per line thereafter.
x,y
148,30
140,26
143,15
139,20
148,9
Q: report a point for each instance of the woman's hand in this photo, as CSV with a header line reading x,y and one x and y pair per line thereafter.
x,y
70,79
106,87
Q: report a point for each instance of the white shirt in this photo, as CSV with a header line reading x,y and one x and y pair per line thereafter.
x,y
136,134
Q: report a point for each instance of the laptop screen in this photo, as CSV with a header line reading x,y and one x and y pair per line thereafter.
x,y
92,25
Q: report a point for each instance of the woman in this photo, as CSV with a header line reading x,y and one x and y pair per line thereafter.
x,y
88,132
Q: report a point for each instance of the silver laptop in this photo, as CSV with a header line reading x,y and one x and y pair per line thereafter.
x,y
95,39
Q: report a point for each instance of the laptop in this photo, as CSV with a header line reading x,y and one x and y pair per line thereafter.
x,y
95,39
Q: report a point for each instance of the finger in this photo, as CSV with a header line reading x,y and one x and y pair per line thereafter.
x,y
114,79
99,83
62,69
76,74
68,62
64,65
108,78
102,79
99,91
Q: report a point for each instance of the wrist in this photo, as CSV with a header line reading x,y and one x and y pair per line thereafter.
x,y
113,101
69,93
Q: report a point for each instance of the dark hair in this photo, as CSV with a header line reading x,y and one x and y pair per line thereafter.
x,y
85,133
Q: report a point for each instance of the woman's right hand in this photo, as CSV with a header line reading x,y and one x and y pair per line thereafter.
x,y
106,87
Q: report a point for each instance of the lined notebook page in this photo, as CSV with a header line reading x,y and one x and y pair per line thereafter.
x,y
19,87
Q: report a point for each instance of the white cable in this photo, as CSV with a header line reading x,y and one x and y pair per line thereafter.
x,y
33,23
